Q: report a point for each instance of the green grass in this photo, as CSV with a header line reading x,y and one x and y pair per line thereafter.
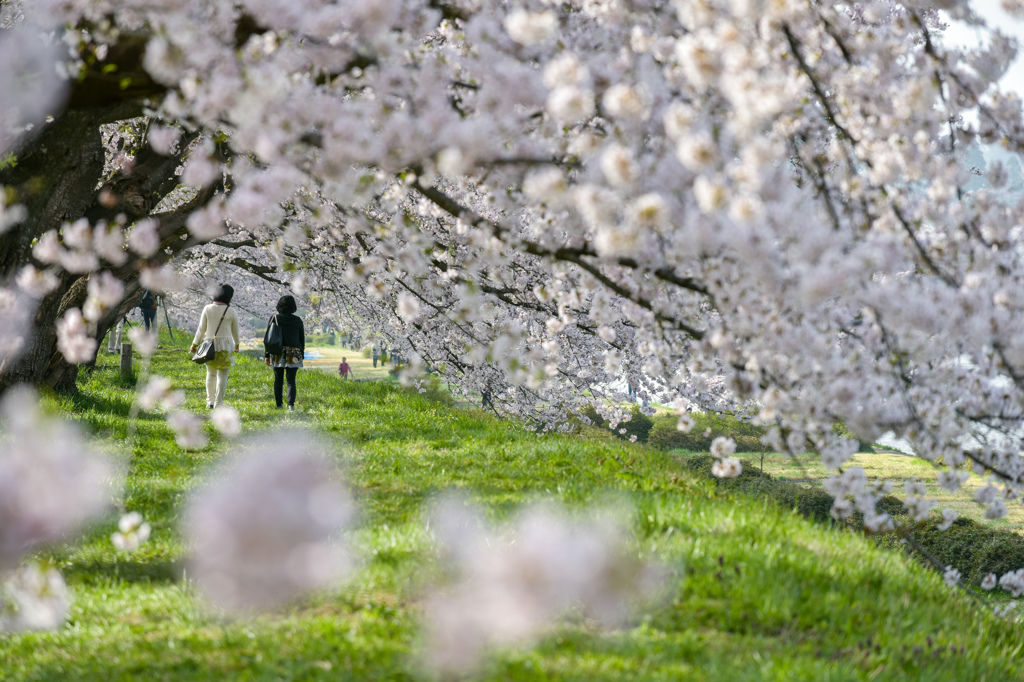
x,y
754,592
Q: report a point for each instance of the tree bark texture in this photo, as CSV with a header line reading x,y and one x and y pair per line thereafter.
x,y
58,177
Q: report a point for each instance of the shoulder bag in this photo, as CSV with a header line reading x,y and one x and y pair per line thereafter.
x,y
206,350
273,340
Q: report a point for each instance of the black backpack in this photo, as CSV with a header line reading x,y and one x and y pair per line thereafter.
x,y
273,340
147,299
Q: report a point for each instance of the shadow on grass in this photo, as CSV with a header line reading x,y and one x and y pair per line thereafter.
x,y
85,402
145,571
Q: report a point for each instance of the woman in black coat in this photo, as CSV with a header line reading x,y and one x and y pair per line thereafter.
x,y
293,341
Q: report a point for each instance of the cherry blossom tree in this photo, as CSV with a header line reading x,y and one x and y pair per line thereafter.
x,y
760,205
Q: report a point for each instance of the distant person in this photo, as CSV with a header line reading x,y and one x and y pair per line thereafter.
x,y
345,370
218,322
383,356
293,342
376,356
148,306
114,338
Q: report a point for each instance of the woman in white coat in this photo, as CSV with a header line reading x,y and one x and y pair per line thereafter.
x,y
220,323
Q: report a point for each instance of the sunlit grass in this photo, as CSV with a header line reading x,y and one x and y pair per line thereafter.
x,y
752,592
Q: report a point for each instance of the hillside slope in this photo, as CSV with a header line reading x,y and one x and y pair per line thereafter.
x,y
755,592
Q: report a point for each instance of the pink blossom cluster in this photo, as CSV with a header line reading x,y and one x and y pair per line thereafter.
x,y
516,582
771,208
266,528
51,480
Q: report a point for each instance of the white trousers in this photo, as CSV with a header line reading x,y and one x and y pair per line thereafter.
x,y
216,385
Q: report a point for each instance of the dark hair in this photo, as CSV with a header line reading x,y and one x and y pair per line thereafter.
x,y
223,293
286,305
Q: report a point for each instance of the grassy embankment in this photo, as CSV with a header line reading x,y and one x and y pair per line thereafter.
x,y
898,469
755,592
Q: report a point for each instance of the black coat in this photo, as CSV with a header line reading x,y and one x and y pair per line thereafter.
x,y
293,334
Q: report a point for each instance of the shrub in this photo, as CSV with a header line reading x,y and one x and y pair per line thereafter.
x,y
809,501
708,426
432,388
320,339
840,429
973,549
639,424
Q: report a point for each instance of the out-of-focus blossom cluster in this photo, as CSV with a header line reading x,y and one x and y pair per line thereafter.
x,y
160,391
51,480
163,279
9,215
73,339
514,583
36,283
853,483
145,342
188,429
226,420
743,203
33,598
267,528
31,69
725,465
1013,582
17,311
131,532
104,292
78,248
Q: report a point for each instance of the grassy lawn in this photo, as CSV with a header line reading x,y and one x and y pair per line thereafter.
x,y
753,592
898,468
362,368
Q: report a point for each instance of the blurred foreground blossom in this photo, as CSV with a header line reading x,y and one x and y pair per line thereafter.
x,y
17,313
143,341
105,292
727,467
132,531
160,391
948,517
188,430
35,283
264,530
144,239
162,279
73,338
32,598
226,420
515,583
50,479
30,82
10,215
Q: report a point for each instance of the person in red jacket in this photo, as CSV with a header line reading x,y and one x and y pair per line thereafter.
x,y
345,370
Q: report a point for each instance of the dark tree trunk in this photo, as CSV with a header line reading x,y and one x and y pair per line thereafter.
x,y
58,178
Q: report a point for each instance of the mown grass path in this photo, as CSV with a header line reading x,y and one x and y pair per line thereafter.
x,y
754,592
